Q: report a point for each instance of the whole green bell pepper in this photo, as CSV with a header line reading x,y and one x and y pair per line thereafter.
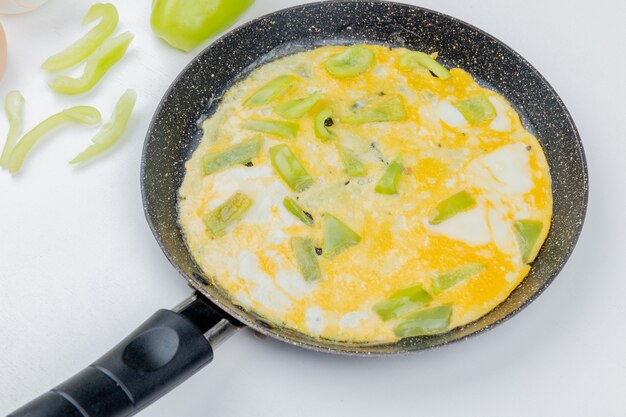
x,y
185,24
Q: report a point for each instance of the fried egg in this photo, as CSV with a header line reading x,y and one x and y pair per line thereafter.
x,y
440,237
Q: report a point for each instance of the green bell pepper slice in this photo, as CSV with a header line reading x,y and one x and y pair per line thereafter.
x,y
82,114
351,163
416,59
294,208
388,183
85,46
353,61
14,108
476,109
337,236
451,206
321,124
425,322
390,111
184,24
527,232
402,302
449,279
227,213
270,91
240,153
306,258
295,109
287,130
112,130
96,66
289,168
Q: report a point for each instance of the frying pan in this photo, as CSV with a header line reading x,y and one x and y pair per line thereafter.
x,y
173,344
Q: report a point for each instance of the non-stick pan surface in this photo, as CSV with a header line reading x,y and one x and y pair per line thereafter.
x,y
174,134
172,345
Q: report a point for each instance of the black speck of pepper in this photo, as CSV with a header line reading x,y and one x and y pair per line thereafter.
x,y
439,145
318,251
309,215
347,182
249,164
329,122
528,148
382,93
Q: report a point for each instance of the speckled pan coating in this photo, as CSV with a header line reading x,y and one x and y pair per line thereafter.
x,y
174,134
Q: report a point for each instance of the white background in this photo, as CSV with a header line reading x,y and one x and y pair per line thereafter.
x,y
79,268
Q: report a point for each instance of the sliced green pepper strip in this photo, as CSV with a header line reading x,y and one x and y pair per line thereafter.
x,y
451,206
388,183
85,46
390,111
337,236
107,55
353,61
294,208
402,302
476,109
289,168
270,91
14,107
295,109
352,164
112,130
528,232
184,24
324,120
227,213
240,153
449,279
274,127
425,322
82,114
417,59
306,257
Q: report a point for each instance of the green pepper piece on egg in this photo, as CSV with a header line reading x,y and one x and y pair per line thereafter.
x,y
476,109
295,109
287,130
390,111
528,232
353,61
388,183
337,236
449,279
270,91
294,208
323,121
289,168
415,59
306,257
402,302
240,153
425,322
451,206
227,213
352,164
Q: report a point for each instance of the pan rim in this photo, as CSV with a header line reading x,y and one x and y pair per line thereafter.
x,y
361,349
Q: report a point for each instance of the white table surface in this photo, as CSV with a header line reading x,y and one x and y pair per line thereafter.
x,y
79,268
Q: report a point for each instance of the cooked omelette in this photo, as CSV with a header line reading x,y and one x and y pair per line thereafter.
x,y
365,194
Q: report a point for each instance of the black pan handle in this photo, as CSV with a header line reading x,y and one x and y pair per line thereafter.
x,y
165,350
